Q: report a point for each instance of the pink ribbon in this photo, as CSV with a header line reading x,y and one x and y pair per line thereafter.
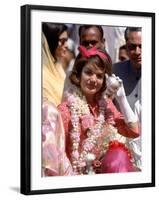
x,y
91,52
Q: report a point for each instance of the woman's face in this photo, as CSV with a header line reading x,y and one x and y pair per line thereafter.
x,y
62,45
91,80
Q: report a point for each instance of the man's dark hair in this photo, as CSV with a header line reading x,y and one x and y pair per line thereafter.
x,y
131,29
85,27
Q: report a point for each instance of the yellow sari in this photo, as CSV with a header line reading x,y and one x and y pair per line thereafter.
x,y
53,75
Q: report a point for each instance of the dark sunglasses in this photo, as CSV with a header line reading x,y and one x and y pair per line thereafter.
x,y
134,46
62,41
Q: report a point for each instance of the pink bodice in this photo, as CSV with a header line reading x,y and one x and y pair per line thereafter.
x,y
112,116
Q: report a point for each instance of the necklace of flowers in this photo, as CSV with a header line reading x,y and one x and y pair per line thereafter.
x,y
79,108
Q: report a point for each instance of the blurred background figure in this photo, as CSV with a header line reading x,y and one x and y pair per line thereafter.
x,y
56,57
130,72
114,38
70,54
54,159
54,60
123,53
91,35
71,48
57,36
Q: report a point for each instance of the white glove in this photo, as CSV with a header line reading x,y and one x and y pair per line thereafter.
x,y
113,84
115,88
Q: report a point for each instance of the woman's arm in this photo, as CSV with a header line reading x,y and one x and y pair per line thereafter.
x,y
126,129
115,88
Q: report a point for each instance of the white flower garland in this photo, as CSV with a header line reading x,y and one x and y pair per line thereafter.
x,y
78,106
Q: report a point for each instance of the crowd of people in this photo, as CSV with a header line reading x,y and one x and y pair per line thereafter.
x,y
91,111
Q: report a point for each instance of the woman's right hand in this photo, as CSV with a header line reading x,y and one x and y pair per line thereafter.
x,y
114,84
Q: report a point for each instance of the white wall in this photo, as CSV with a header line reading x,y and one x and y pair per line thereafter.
x,y
10,99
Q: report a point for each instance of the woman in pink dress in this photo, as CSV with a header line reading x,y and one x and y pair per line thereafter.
x,y
95,131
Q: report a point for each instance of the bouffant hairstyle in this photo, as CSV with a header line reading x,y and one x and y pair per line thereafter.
x,y
104,64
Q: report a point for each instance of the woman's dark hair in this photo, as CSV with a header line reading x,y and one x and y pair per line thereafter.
x,y
105,64
52,32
